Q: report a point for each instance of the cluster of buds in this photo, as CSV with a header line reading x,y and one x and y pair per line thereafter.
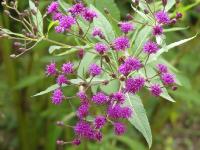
x,y
116,62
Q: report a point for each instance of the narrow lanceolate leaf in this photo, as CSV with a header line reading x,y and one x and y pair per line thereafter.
x,y
170,4
175,29
168,47
104,24
37,19
53,48
139,118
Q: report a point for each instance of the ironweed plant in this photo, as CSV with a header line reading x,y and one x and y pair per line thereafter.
x,y
116,60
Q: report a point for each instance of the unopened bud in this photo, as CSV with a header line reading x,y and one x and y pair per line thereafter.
x,y
174,88
3,3
60,142
21,49
12,3
122,78
105,82
113,75
6,12
81,53
179,15
107,59
164,2
60,123
106,11
129,17
17,44
146,11
121,59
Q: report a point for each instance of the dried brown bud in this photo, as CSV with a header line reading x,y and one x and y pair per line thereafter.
x,y
60,123
113,75
122,78
12,3
174,88
105,82
121,59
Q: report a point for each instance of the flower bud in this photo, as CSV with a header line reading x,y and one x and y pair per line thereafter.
x,y
60,123
174,88
129,17
113,75
106,11
164,2
146,11
105,82
107,59
3,3
81,53
17,44
122,78
6,12
179,15
60,142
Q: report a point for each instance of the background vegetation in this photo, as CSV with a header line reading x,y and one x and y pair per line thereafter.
x,y
28,123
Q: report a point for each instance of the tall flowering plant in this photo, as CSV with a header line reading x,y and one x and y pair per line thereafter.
x,y
115,61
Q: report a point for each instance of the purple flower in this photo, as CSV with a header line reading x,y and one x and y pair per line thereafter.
x,y
89,14
53,7
130,64
98,32
126,27
162,17
162,68
101,48
76,142
67,68
119,97
51,69
119,128
150,47
57,16
77,9
167,78
66,22
117,112
59,29
100,98
98,135
57,97
157,30
156,89
99,122
94,70
83,110
134,85
82,96
121,43
61,79
83,129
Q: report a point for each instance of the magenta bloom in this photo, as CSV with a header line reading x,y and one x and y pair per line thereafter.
x,y
61,79
67,68
82,96
59,29
53,7
119,97
83,129
98,32
100,98
167,78
162,17
99,122
130,64
162,68
66,22
157,30
57,16
89,15
51,69
77,9
94,70
156,89
101,48
119,128
98,135
121,43
76,142
133,85
83,110
57,97
117,112
126,27
150,47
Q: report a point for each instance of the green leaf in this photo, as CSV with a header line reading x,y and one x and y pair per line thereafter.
x,y
49,89
12,33
175,29
170,4
104,24
52,23
53,48
63,5
139,118
111,87
168,47
37,19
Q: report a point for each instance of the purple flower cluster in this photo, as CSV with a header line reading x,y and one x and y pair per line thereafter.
x,y
134,85
131,64
57,97
100,98
121,43
117,112
94,70
98,32
101,48
162,17
150,47
126,27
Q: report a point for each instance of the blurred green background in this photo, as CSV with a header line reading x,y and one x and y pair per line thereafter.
x,y
28,123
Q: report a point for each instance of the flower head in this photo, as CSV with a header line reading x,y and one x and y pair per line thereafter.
x,y
82,95
126,27
98,32
76,142
167,78
67,68
83,110
117,112
119,128
119,97
66,22
57,16
83,129
157,30
134,85
77,9
94,70
130,64
121,43
150,47
156,89
57,97
51,69
99,122
89,14
162,17
162,68
100,98
101,48
61,79
53,7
